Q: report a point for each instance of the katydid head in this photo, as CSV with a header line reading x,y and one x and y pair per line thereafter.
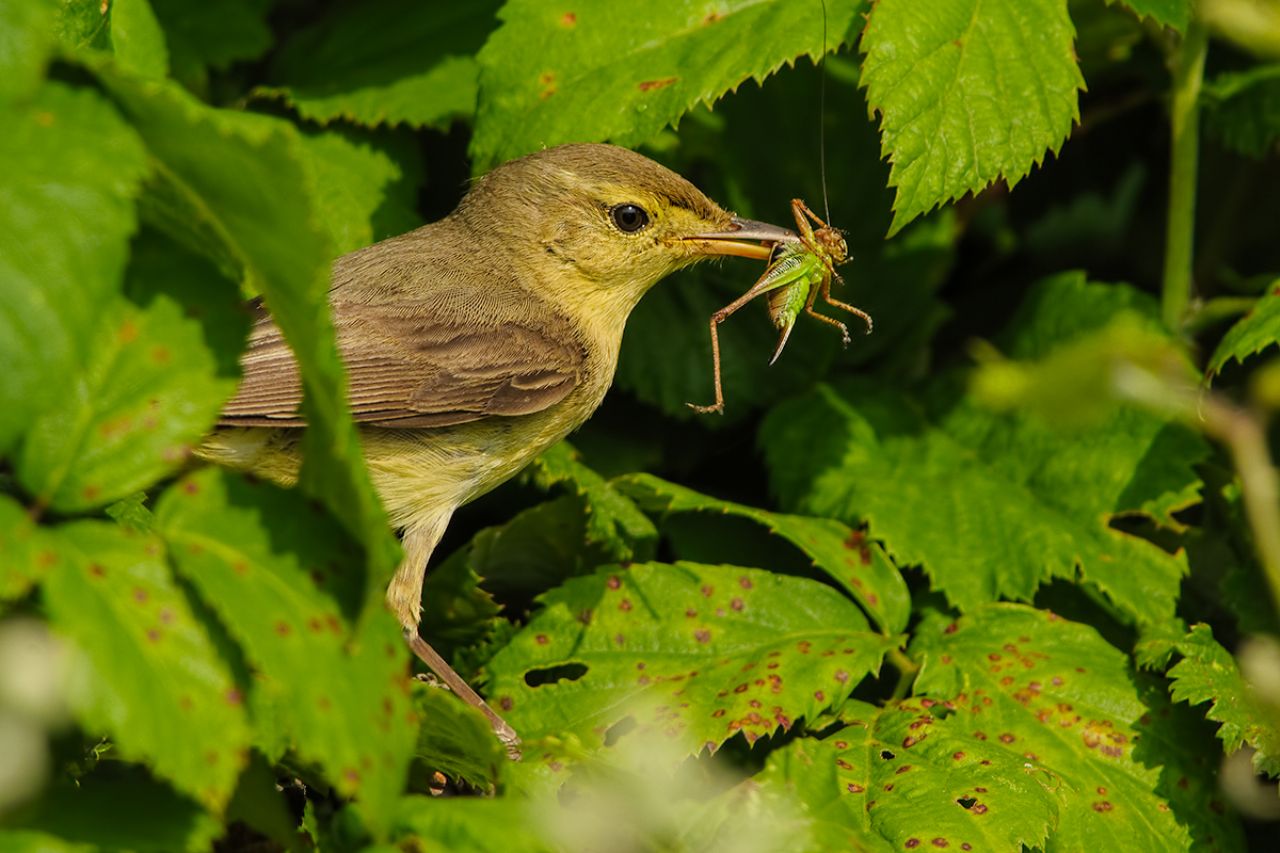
x,y
832,242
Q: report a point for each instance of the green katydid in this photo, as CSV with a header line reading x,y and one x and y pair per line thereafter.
x,y
798,271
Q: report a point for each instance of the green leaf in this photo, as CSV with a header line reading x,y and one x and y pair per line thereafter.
x,y
205,36
613,520
363,194
286,583
944,483
26,37
1168,13
27,549
692,653
1243,108
1208,673
858,566
136,38
65,218
456,739
385,62
623,73
1256,331
252,191
148,673
1018,686
470,825
945,76
34,841
160,365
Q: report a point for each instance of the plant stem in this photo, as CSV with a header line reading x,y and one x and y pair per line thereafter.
x,y
1202,315
907,669
1185,153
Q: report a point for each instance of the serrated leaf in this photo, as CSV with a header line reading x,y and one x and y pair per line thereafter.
x,y
602,71
66,214
147,671
26,37
1208,673
993,506
943,75
1168,13
1053,697
287,586
363,194
252,194
860,567
613,521
691,653
387,62
456,739
1253,333
203,36
1243,109
161,363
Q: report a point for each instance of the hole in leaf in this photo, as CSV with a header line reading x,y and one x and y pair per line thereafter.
x,y
619,729
552,674
887,755
966,802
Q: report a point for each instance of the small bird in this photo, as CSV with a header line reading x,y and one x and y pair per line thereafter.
x,y
475,343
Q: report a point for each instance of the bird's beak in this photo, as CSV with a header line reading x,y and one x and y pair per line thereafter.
x,y
735,239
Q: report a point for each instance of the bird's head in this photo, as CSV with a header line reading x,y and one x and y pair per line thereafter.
x,y
601,224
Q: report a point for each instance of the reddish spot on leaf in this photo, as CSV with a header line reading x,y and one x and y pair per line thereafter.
x,y
946,659
957,756
282,628
315,625
980,735
543,639
91,492
153,635
506,703
842,676
128,331
1007,737
741,688
234,697
702,635
940,842
855,788
568,20
614,582
912,843
707,590
979,808
819,695
660,83
691,613
711,18
547,81
737,604
1102,806
161,355
952,628
139,595
966,846
717,713
744,582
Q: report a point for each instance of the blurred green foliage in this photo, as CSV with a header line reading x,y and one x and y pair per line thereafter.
x,y
827,620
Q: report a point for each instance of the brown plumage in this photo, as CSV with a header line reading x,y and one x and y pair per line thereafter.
x,y
474,343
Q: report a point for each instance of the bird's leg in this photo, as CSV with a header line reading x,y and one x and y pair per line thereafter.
x,y
404,595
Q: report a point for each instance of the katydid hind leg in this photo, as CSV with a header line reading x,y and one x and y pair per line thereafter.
x,y
844,306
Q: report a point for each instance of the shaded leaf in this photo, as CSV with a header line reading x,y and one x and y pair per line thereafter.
x,y
26,37
469,825
455,738
1256,331
253,194
147,672
28,551
942,75
1243,108
385,62
613,520
1208,673
65,218
203,36
623,73
993,505
1169,13
287,586
160,365
860,567
691,653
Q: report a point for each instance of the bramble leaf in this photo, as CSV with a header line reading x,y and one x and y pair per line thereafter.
x,y
602,71
859,566
147,672
1243,108
455,738
66,214
1253,333
386,62
993,506
26,38
691,653
946,75
287,585
203,36
1168,13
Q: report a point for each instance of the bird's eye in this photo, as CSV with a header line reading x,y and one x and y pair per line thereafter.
x,y
629,218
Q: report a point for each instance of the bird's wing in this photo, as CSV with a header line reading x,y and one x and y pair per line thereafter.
x,y
433,364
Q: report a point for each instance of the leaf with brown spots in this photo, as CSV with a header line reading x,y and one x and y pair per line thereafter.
x,y
162,361
857,564
287,583
29,551
695,681
147,671
1055,698
626,71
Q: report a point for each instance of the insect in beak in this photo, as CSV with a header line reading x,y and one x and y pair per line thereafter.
x,y
733,240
